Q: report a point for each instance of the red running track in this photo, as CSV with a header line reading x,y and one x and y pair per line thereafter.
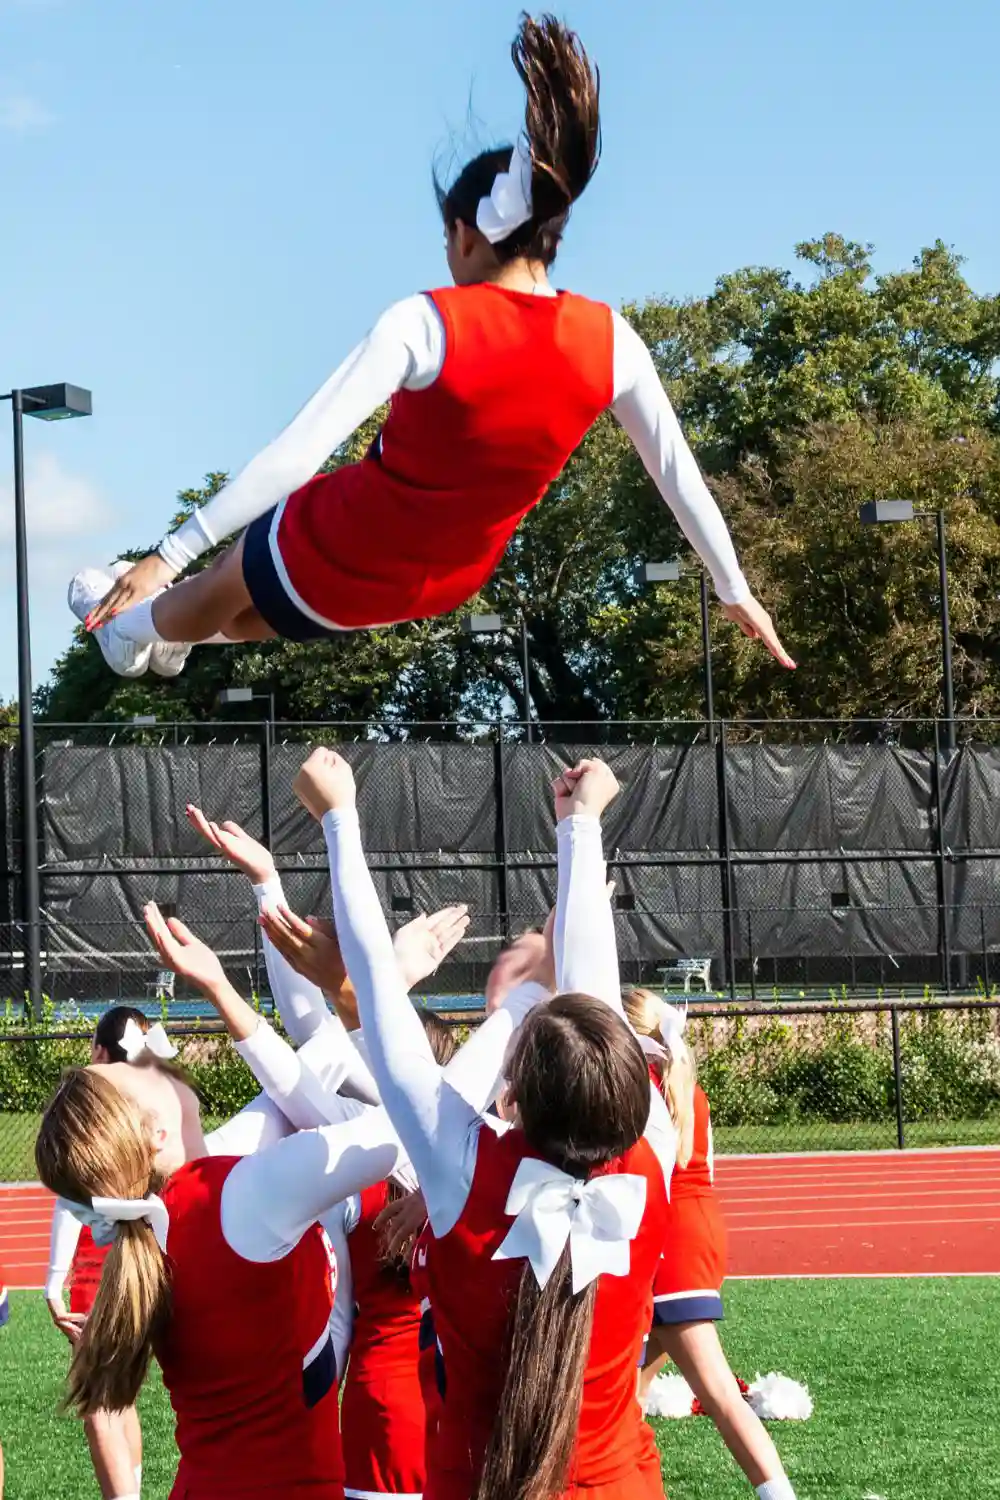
x,y
914,1213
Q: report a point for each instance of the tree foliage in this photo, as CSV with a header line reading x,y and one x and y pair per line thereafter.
x,y
803,398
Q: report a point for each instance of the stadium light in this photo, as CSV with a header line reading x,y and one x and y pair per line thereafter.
x,y
649,574
889,512
51,403
496,625
226,697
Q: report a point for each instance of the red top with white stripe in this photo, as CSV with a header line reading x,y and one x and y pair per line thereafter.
x,y
247,1356
472,1296
418,528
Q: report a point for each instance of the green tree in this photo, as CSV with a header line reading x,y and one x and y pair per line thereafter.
x,y
803,398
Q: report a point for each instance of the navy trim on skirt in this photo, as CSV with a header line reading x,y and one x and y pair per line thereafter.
x,y
267,591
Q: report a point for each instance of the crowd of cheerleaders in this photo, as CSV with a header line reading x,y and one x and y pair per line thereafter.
x,y
486,1252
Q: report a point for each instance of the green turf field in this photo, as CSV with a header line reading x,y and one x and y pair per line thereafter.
x,y
902,1373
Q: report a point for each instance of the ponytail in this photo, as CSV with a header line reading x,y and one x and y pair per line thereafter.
x,y
92,1143
678,1074
112,1357
562,123
535,1429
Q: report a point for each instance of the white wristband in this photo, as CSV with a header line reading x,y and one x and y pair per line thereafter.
x,y
270,894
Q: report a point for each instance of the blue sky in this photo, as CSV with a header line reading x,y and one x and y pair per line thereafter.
x,y
204,203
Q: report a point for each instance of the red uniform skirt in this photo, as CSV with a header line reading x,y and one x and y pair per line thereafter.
x,y
687,1287
85,1272
382,1429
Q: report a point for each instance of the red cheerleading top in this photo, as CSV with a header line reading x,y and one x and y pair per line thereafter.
x,y
387,1316
247,1356
418,527
696,1179
472,1297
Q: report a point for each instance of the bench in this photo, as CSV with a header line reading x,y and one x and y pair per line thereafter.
x,y
686,969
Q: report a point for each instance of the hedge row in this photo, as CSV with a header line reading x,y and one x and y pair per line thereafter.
x,y
756,1071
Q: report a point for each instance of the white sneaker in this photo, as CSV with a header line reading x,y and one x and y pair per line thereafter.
x,y
166,658
123,656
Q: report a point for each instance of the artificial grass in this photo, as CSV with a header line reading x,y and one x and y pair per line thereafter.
x,y
903,1376
902,1373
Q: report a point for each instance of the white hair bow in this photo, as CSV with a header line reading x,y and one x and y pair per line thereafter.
x,y
136,1043
103,1215
672,1023
599,1218
509,203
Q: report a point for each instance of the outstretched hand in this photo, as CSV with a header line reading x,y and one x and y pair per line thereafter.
x,y
313,951
423,944
530,959
235,843
146,577
184,953
754,621
311,947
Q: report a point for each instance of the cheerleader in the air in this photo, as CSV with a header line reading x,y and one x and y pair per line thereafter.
x,y
687,1289
493,383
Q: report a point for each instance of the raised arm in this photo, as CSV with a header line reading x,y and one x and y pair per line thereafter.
x,y
304,1084
586,950
644,410
437,1127
301,1004
271,1198
405,348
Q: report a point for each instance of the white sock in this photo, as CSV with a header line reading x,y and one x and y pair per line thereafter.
x,y
138,1477
777,1489
136,624
133,1496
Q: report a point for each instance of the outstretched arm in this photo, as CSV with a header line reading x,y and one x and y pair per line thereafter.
x,y
271,1198
303,1084
405,348
437,1127
586,950
643,408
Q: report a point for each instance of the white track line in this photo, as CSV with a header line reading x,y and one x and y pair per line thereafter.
x,y
768,1228
883,1196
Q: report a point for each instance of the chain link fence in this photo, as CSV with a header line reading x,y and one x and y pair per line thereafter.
x,y
847,1077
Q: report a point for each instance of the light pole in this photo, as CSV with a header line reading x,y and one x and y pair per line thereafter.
x,y
672,572
496,625
52,403
229,695
892,512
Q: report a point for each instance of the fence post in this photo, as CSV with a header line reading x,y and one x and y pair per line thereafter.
x,y
725,860
501,851
986,953
897,1073
940,866
265,784
750,956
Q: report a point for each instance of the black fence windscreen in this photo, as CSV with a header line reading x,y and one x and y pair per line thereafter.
x,y
778,867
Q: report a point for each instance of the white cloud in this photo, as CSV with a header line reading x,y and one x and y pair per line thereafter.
x,y
68,528
59,505
20,114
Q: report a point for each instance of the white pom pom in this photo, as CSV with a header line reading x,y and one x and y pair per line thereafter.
x,y
776,1398
669,1396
